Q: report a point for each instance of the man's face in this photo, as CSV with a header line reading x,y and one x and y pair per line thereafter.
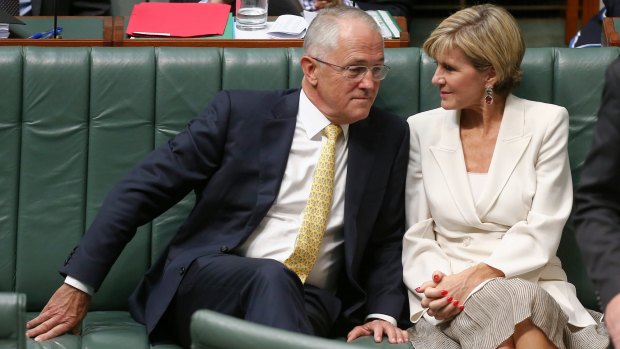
x,y
344,100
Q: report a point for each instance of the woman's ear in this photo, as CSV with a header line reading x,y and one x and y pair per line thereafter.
x,y
491,78
309,67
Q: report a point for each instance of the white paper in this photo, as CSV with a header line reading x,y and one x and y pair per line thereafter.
x,y
288,26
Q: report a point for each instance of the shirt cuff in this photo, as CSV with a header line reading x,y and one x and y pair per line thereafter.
x,y
79,285
382,317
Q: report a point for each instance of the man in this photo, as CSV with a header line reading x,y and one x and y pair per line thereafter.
x,y
64,7
250,158
597,215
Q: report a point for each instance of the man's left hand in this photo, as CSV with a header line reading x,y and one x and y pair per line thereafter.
x,y
379,328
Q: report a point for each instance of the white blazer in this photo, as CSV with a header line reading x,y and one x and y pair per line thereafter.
x,y
516,224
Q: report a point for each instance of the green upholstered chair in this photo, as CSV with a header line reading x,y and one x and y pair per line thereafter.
x,y
74,120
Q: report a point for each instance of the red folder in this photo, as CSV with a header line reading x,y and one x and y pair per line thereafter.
x,y
178,19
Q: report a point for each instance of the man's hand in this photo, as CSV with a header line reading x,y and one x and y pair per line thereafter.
x,y
379,328
612,320
63,313
321,4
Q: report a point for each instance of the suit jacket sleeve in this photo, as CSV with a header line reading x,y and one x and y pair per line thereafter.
x,y
597,215
162,179
384,282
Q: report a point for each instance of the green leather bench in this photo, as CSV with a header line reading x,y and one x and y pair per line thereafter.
x,y
74,120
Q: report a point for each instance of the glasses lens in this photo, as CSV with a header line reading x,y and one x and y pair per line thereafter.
x,y
355,72
379,72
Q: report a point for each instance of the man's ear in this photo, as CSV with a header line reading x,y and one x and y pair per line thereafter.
x,y
309,66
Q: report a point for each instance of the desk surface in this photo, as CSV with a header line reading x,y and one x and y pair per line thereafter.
x,y
122,39
77,31
110,31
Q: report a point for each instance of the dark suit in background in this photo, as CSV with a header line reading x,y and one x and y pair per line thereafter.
x,y
71,7
395,7
597,215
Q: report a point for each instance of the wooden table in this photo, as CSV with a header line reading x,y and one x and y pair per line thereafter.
x,y
121,39
610,35
77,31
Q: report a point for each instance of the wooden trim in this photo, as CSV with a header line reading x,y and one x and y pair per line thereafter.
x,y
610,36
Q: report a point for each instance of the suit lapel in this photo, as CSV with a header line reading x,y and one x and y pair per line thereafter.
x,y
362,152
511,144
275,144
448,154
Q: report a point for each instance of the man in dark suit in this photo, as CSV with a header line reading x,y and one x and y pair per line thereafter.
x,y
597,215
250,159
69,8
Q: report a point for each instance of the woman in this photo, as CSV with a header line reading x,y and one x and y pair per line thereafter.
x,y
488,193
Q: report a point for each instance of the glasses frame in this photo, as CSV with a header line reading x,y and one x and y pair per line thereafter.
x,y
349,70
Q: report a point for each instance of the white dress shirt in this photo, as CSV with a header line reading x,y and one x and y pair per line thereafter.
x,y
25,7
275,236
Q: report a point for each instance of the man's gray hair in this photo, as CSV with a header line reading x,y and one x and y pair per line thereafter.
x,y
324,32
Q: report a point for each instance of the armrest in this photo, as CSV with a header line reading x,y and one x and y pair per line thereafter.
x,y
12,320
212,330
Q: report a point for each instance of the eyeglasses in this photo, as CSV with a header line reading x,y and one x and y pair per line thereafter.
x,y
357,72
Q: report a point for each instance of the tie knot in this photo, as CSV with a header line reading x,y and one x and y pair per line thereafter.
x,y
332,131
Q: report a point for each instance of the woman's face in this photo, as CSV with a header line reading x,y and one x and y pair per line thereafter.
x,y
461,86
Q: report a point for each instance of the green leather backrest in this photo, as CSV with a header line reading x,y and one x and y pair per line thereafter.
x,y
74,120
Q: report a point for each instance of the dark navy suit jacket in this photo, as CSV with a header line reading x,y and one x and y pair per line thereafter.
x,y
597,202
233,157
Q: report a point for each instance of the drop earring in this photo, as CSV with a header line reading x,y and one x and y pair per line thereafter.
x,y
488,99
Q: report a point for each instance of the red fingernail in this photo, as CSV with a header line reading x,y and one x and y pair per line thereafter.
x,y
455,303
418,289
461,307
444,292
449,299
436,277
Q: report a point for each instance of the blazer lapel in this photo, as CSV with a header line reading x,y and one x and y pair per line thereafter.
x,y
511,144
275,144
448,153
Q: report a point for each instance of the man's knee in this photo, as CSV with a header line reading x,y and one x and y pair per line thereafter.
x,y
273,274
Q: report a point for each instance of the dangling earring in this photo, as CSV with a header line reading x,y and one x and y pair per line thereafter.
x,y
488,99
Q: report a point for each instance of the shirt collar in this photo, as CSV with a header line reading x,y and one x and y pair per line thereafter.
x,y
312,120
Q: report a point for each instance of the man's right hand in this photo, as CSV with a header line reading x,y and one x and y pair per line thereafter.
x,y
63,313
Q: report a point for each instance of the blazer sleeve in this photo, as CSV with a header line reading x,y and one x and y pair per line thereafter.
x,y
421,253
159,181
597,214
538,236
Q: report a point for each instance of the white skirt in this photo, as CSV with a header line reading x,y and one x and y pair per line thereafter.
x,y
491,314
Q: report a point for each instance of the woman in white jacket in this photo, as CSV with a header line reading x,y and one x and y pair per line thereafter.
x,y
488,193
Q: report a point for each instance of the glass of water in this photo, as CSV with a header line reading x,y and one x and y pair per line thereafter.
x,y
251,14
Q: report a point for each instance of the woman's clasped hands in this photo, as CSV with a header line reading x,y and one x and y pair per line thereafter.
x,y
441,304
444,296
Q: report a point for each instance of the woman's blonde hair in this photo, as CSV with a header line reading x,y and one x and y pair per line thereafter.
x,y
490,38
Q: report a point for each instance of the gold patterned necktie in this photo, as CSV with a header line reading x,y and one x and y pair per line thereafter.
x,y
316,214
